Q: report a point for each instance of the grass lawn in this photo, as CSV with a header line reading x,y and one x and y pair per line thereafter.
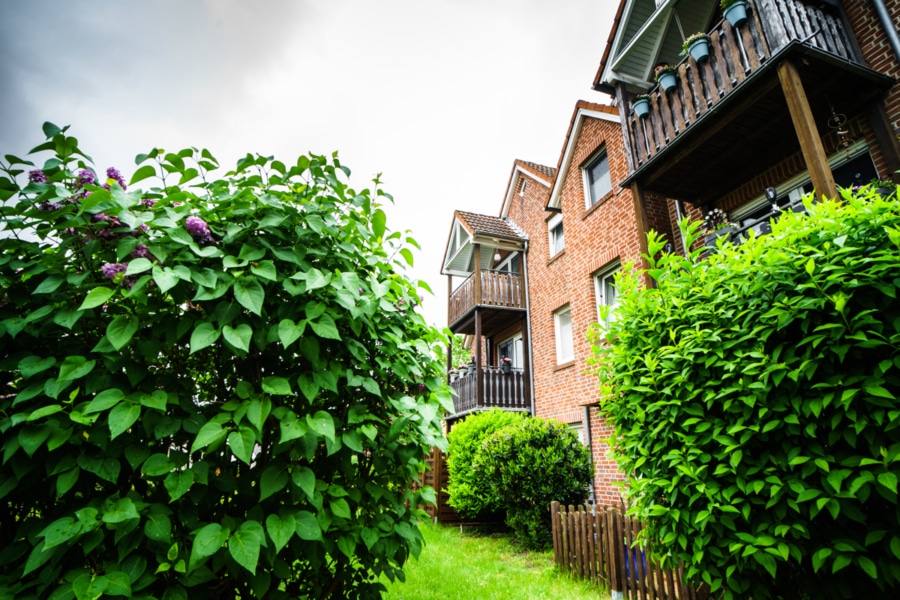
x,y
476,566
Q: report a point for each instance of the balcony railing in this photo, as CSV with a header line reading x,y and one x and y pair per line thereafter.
x,y
735,54
501,390
497,289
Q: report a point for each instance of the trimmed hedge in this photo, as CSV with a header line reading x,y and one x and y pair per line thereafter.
x,y
754,398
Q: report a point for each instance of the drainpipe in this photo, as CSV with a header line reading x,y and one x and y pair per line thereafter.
x,y
889,28
589,442
528,325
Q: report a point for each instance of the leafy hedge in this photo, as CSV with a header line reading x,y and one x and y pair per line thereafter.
x,y
754,398
471,493
529,464
217,387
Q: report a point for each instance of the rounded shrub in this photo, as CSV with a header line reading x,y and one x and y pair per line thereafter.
x,y
754,398
471,493
529,464
215,388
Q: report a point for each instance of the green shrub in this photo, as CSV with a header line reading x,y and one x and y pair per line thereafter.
x,y
471,494
216,388
754,398
529,464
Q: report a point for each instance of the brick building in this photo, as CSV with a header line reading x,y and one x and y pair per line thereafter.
x,y
561,235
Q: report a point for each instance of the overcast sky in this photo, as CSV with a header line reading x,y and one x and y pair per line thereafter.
x,y
440,96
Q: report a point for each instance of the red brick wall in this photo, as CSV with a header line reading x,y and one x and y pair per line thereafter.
x,y
594,238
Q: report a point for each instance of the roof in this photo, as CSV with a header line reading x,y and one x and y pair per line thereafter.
x,y
537,169
490,226
609,43
583,110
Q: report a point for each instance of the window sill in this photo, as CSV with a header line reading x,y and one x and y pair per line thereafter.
x,y
565,365
553,258
606,198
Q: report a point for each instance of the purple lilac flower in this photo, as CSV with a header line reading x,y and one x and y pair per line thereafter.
x,y
49,206
112,174
84,178
148,202
111,270
199,230
141,251
37,176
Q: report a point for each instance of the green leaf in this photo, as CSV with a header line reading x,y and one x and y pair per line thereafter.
x,y
96,297
122,417
308,386
75,367
158,527
242,443
238,337
379,220
249,293
321,423
157,464
60,531
272,481
278,386
308,527
340,508
305,479
138,265
87,587
142,173
204,334
210,433
122,510
289,332
49,285
244,545
265,269
324,327
165,278
121,330
104,400
32,365
178,483
207,541
281,529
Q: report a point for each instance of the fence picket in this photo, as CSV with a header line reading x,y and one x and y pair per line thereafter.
x,y
596,544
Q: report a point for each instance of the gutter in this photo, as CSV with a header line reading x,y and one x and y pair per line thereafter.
x,y
889,28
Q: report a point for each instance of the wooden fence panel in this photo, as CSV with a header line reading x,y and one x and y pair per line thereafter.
x,y
598,545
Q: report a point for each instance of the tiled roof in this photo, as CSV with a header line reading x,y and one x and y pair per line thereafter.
x,y
538,169
488,225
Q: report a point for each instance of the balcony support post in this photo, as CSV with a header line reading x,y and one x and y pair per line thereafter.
x,y
640,218
476,256
479,379
526,366
807,133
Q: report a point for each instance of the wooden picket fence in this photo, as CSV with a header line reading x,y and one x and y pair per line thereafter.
x,y
598,545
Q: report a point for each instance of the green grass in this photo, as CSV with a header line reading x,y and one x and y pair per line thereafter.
x,y
476,566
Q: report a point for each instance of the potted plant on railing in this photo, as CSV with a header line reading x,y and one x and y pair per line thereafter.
x,y
665,77
884,187
697,45
453,374
506,364
470,367
716,224
734,11
640,104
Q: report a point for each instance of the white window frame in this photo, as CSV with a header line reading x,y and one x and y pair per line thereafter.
x,y
517,350
601,278
552,224
589,198
565,352
505,265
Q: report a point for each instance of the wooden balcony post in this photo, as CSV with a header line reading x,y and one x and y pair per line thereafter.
x,y
476,256
640,219
479,380
449,356
526,366
807,132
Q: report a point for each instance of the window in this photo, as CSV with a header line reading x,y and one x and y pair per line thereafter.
x,y
522,188
597,179
555,229
565,348
607,296
510,264
513,349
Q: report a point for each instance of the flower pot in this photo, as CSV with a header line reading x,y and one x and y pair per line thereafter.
x,y
641,107
470,369
506,368
668,81
699,50
885,192
736,14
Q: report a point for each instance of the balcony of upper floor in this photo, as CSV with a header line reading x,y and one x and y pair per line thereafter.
x,y
488,254
731,115
503,388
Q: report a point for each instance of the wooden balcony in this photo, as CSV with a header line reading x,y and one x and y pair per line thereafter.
x,y
486,289
728,118
501,390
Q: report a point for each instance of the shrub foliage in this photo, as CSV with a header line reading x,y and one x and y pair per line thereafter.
x,y
217,387
754,398
529,464
471,493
